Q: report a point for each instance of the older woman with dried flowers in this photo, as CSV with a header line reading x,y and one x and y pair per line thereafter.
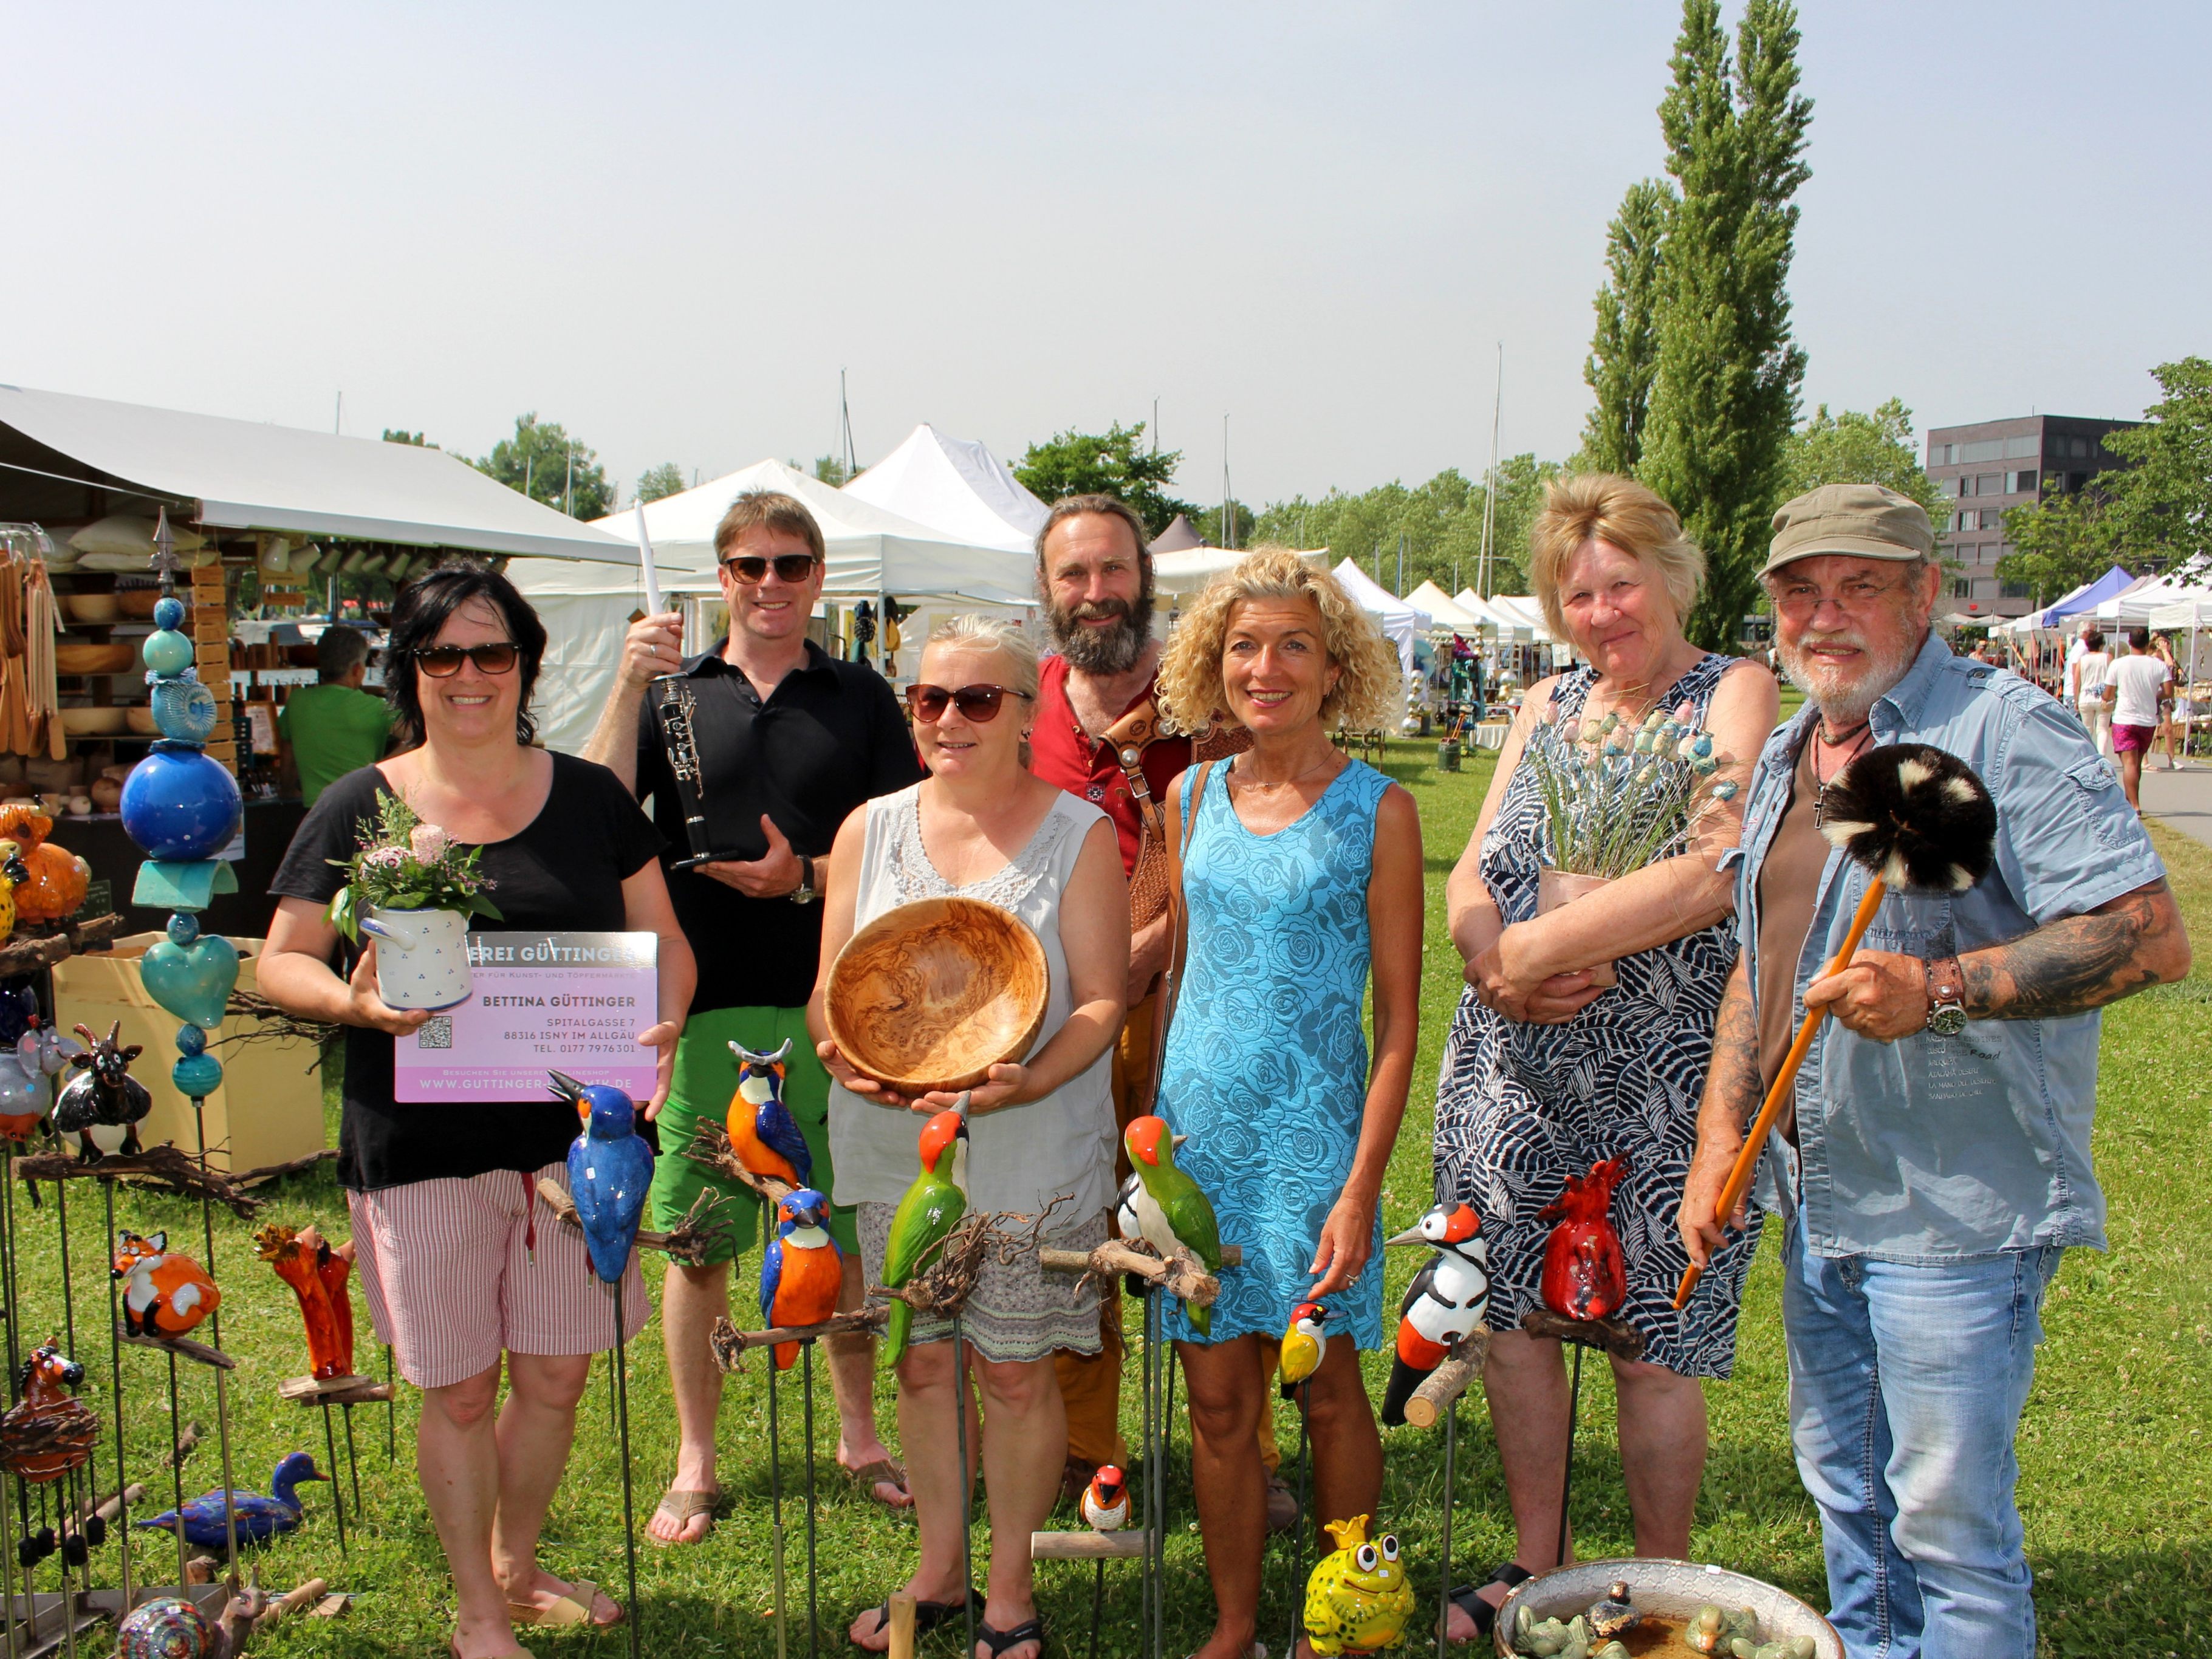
x,y
1586,1027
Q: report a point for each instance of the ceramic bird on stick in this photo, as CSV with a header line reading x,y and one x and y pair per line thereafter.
x,y
1304,1344
1173,1211
164,1295
763,1135
317,1274
1585,1276
1448,1298
931,1209
610,1173
1914,818
802,1270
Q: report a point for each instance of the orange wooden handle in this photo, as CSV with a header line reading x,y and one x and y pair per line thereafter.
x,y
1754,1141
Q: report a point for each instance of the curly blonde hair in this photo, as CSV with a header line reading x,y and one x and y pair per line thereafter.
x,y
1371,688
1607,508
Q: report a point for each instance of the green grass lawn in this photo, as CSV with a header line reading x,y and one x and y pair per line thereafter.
x,y
2116,1484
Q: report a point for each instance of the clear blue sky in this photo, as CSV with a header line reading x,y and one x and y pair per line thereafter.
x,y
670,226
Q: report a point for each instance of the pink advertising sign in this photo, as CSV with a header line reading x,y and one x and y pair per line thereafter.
x,y
537,1003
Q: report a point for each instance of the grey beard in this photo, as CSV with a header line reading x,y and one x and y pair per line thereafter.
x,y
1847,708
1111,651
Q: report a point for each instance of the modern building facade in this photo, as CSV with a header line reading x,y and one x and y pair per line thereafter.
x,y
1989,468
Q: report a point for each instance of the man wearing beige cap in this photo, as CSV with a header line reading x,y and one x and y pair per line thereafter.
x,y
1933,1162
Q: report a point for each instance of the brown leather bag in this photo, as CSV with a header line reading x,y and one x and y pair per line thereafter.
x,y
1131,736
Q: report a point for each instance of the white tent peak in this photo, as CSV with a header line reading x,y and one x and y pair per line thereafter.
x,y
1179,536
956,486
1443,609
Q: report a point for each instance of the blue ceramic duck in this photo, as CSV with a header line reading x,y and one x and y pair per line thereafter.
x,y
259,1518
610,1172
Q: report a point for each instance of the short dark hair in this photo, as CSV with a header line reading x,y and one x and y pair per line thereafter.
x,y
1107,506
769,509
339,652
2139,638
2094,638
424,608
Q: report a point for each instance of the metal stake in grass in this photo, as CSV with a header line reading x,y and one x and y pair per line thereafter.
x,y
1444,1544
1298,1530
338,1492
1567,1482
115,1380
215,1329
176,1464
630,1501
775,1492
813,1615
966,1484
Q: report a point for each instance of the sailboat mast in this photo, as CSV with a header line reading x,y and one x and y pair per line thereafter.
x,y
1483,572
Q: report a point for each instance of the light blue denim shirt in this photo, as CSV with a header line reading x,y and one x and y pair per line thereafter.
x,y
1931,1148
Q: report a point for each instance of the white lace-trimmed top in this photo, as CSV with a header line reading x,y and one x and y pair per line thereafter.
x,y
1019,1158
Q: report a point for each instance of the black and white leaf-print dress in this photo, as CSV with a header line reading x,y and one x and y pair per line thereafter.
x,y
1520,1108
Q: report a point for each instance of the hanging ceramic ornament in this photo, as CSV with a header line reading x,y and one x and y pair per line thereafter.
x,y
188,973
183,709
179,806
197,1073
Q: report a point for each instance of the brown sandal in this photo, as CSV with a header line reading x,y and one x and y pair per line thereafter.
x,y
679,1505
884,1470
573,1608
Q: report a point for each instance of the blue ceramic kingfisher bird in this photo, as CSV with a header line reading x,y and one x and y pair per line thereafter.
x,y
763,1132
802,1270
610,1172
259,1518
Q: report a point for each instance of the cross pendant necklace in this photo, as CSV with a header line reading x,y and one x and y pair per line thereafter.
x,y
1859,734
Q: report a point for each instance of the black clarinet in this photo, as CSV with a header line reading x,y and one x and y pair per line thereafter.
x,y
673,707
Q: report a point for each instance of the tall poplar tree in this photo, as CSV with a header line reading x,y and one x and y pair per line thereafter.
x,y
1724,399
1625,349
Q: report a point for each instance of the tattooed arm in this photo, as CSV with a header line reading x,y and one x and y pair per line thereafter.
x,y
2080,963
1732,1095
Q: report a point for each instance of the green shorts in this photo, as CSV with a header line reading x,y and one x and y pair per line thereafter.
x,y
706,1077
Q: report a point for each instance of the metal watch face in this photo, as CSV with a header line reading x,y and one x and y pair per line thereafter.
x,y
1946,1019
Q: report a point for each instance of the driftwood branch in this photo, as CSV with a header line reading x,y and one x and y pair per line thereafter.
x,y
695,1239
270,1171
162,1167
731,1346
711,1146
27,954
333,1390
1449,1380
1615,1336
1182,1274
183,1345
273,1024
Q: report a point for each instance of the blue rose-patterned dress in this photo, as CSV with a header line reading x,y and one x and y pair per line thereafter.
x,y
1520,1106
1266,1068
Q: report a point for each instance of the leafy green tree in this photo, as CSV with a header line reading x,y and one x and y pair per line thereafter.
x,y
658,482
1854,448
401,435
2162,505
1106,464
1724,397
832,470
2059,543
544,462
1624,350
1208,525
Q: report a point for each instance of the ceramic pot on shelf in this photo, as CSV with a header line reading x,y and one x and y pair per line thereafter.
x,y
421,956
1556,888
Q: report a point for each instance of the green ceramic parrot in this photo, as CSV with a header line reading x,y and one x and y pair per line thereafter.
x,y
932,1209
1171,1209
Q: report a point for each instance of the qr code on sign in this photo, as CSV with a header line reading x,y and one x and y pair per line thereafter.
x,y
436,1032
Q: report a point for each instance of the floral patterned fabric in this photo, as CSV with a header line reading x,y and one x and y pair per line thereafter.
x,y
1520,1108
1267,1061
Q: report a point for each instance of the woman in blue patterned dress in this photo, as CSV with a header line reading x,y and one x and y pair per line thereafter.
x,y
1300,869
1545,1074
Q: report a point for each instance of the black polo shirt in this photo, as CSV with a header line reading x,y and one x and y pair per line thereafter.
x,y
831,736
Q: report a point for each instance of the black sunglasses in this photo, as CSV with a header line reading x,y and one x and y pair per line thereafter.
x,y
444,662
749,568
977,704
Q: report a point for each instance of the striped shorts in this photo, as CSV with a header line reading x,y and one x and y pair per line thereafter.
x,y
453,1280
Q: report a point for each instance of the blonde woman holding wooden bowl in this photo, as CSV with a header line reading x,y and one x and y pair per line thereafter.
x,y
1551,1067
1040,1128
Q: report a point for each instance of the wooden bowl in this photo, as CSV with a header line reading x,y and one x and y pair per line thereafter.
x,y
94,658
91,607
94,722
139,718
139,602
931,996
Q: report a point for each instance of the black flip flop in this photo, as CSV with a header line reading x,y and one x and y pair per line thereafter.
x,y
1467,1599
927,1616
1030,1629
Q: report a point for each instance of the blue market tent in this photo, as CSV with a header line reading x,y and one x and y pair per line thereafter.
x,y
2114,583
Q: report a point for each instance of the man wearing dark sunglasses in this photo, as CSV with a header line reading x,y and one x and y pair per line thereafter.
x,y
789,741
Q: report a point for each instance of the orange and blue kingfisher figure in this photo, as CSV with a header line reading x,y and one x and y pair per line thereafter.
x,y
802,1270
763,1132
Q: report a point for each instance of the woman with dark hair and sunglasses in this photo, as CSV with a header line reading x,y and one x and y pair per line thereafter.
x,y
1040,1131
465,1271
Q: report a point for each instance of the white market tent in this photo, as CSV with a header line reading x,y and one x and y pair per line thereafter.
x,y
1402,622
957,486
1186,570
2134,607
248,475
1523,609
1511,629
871,552
1445,611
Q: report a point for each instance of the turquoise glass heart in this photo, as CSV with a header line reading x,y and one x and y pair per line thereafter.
x,y
192,984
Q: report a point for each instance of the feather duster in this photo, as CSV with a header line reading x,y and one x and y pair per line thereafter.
x,y
1915,816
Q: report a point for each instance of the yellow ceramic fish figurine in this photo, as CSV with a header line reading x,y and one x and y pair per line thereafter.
x,y
1358,1599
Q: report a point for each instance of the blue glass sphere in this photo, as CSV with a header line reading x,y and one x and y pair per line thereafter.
x,y
184,926
177,804
167,652
168,613
197,1075
191,1040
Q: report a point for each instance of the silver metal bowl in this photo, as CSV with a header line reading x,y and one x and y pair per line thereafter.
x,y
1669,1589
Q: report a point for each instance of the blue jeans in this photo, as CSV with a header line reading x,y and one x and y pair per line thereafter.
x,y
1906,1383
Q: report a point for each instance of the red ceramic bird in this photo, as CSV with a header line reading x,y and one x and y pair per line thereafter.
x,y
1585,1276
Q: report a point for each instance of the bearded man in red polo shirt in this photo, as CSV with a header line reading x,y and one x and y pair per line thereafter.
x,y
1097,736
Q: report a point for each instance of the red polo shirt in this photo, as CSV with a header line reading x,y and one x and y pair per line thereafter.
x,y
1061,752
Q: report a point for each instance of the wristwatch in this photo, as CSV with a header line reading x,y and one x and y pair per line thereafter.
x,y
804,893
1947,990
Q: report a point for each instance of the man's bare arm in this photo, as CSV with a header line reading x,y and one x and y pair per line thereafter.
x,y
2081,962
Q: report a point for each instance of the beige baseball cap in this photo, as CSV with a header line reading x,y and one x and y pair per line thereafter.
x,y
1861,518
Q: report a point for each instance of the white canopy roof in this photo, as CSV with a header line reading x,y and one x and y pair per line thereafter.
x,y
1189,569
2136,603
955,486
1402,621
1444,610
871,551
2184,608
246,475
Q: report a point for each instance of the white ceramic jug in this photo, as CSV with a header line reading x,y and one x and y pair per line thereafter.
x,y
422,957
